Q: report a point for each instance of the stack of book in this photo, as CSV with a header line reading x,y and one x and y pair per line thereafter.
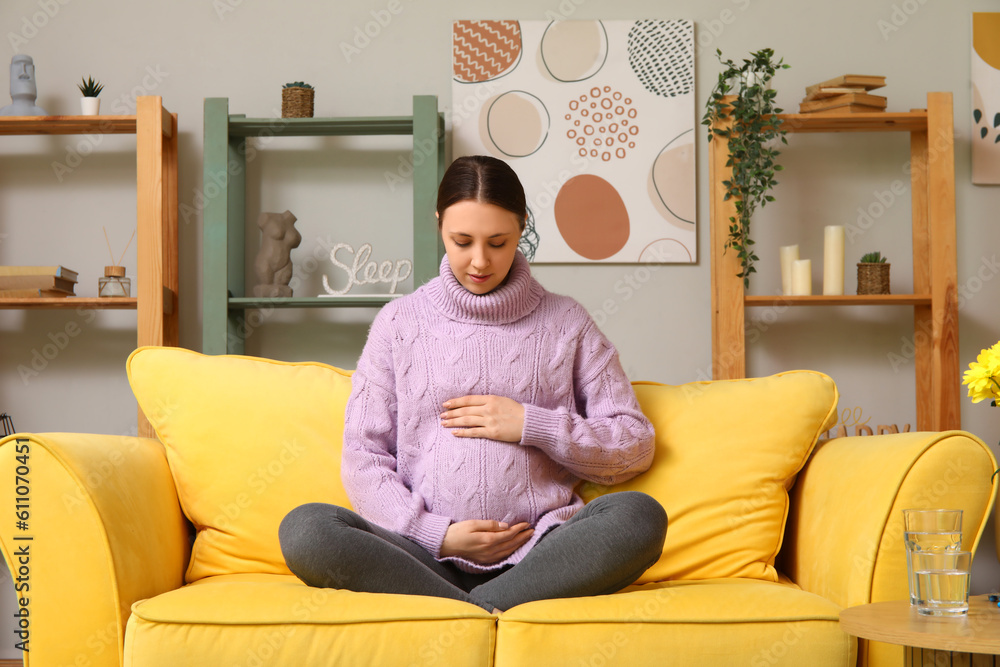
x,y
845,94
33,282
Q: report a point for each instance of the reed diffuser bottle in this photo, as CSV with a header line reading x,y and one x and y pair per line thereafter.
x,y
114,282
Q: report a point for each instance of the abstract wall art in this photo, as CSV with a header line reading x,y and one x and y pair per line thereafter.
x,y
986,98
597,118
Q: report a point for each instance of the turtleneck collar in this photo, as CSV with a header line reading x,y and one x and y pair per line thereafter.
x,y
515,298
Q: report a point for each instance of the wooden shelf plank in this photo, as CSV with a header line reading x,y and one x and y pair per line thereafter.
x,y
347,300
883,121
11,125
67,124
115,303
840,300
313,127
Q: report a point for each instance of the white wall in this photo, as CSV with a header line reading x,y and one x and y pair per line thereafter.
x,y
186,50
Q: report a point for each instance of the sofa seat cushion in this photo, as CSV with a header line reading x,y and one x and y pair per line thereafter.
x,y
726,454
247,441
711,622
266,619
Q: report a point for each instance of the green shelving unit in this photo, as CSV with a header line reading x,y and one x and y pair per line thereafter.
x,y
225,300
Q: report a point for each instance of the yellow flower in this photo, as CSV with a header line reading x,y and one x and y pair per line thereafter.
x,y
983,376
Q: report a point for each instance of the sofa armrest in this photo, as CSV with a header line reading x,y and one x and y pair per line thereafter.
x,y
844,537
103,528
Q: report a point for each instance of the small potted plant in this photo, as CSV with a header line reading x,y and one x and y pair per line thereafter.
x,y
873,274
90,105
297,100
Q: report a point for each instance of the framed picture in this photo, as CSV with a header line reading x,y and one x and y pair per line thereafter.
x,y
598,120
986,98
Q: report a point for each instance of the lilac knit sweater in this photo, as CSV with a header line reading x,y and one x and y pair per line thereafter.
x,y
407,473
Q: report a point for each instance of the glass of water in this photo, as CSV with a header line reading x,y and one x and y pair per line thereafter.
x,y
942,582
929,531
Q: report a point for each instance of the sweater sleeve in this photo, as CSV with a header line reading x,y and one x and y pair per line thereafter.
x,y
608,439
368,469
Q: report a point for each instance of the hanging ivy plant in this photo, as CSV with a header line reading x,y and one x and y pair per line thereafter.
x,y
750,137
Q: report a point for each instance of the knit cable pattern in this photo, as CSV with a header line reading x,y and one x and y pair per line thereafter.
x,y
407,473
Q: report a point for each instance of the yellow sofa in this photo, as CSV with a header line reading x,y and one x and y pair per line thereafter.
x,y
149,552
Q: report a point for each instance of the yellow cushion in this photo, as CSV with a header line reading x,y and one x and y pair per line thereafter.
x,y
726,454
258,619
247,441
712,622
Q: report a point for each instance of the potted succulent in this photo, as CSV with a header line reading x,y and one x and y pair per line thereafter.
x,y
741,110
90,105
297,100
873,274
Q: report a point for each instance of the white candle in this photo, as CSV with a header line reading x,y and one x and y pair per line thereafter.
x,y
802,277
788,254
833,259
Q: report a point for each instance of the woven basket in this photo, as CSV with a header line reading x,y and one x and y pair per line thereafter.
x,y
873,278
297,102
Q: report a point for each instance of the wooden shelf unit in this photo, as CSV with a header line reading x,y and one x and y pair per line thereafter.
x,y
156,285
935,282
225,299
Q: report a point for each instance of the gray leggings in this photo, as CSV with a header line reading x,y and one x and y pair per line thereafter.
x,y
603,548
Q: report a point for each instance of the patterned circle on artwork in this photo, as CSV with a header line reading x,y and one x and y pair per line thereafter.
x,y
517,123
484,50
672,177
661,54
609,120
665,251
591,217
573,50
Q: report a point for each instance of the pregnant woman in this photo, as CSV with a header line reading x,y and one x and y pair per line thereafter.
x,y
479,402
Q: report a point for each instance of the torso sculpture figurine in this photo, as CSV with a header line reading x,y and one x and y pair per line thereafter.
x,y
23,90
273,265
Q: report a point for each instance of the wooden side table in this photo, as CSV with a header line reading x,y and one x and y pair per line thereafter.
x,y
972,640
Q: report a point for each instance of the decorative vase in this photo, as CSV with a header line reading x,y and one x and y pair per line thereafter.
x,y
297,102
90,106
873,278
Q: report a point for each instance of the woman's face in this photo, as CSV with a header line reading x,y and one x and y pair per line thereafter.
x,y
480,240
